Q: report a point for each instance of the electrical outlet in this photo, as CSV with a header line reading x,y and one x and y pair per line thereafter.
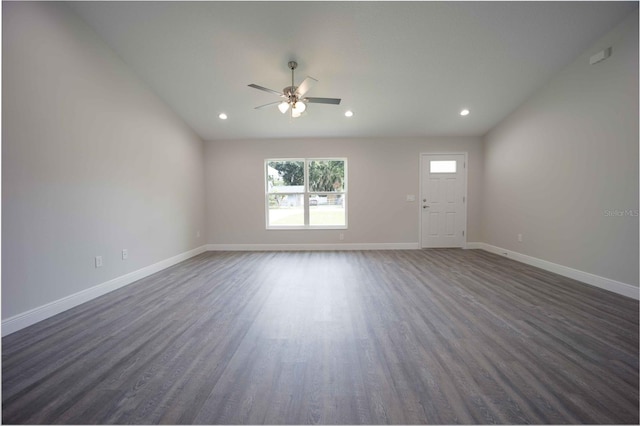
x,y
519,238
198,234
98,261
341,237
125,254
411,198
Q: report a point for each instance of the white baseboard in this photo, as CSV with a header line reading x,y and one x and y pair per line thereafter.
x,y
313,247
25,319
624,289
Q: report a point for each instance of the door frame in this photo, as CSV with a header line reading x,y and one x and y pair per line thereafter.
x,y
464,192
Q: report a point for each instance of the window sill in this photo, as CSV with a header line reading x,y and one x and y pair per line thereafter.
x,y
305,228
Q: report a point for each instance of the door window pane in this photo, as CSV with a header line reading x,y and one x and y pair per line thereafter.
x,y
442,166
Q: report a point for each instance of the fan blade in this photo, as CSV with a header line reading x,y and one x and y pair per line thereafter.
x,y
255,86
305,86
268,105
332,101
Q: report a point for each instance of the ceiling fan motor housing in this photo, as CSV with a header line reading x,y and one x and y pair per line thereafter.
x,y
289,92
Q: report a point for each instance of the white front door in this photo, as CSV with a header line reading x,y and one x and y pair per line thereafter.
x,y
443,200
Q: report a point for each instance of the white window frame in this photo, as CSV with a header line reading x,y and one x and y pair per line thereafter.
x,y
306,194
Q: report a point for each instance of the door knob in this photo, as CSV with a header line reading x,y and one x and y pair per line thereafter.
x,y
425,207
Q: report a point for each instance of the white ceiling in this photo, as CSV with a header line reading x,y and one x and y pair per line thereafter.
x,y
405,68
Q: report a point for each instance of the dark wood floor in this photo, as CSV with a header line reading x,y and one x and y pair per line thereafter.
x,y
410,337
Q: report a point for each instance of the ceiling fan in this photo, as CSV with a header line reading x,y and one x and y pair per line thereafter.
x,y
294,99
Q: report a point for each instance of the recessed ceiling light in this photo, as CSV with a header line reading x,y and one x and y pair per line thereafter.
x,y
464,112
348,113
222,116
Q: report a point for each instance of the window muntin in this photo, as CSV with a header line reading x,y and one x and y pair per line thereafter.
x,y
306,193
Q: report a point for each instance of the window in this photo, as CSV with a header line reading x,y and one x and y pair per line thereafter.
x,y
442,166
306,193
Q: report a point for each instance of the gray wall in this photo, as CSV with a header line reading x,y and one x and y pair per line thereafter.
x,y
381,173
92,162
564,159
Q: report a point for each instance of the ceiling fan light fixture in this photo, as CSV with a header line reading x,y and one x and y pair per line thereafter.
x,y
297,108
300,107
283,106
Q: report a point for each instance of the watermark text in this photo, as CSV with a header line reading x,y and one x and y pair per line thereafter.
x,y
620,213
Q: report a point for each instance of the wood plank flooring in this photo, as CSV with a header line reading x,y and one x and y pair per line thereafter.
x,y
363,337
